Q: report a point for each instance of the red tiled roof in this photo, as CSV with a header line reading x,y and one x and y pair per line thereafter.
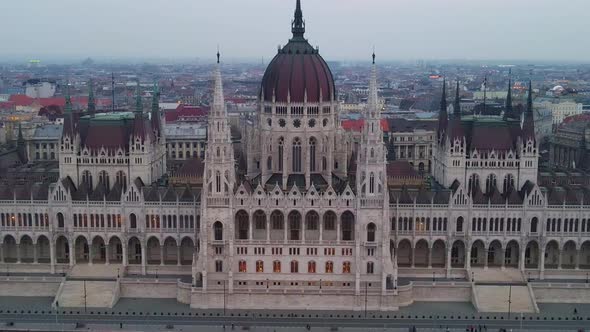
x,y
7,105
357,125
401,169
21,100
77,101
107,136
491,138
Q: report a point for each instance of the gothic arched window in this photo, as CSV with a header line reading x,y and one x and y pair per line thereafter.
x,y
312,145
296,155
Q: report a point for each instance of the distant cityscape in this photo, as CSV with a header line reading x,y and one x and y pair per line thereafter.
x,y
296,185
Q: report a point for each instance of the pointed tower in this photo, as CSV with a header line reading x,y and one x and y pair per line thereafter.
x,y
457,103
371,158
529,150
21,147
218,186
371,189
70,142
139,130
155,112
442,114
448,158
91,99
508,109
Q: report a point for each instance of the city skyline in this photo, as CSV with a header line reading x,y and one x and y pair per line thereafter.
x,y
400,30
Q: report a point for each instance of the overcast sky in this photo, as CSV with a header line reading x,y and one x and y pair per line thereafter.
x,y
252,29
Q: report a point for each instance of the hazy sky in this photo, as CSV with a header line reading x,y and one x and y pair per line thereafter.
x,y
344,29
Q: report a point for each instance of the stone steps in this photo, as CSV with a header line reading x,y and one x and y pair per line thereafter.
x,y
494,298
99,294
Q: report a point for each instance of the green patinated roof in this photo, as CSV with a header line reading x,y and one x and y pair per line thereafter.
x,y
110,116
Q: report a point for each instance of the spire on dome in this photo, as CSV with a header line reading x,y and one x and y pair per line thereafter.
x,y
91,100
138,102
298,25
457,105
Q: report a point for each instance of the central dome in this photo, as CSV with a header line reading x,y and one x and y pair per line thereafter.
x,y
297,70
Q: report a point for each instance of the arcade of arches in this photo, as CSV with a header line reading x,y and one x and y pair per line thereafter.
x,y
495,253
294,226
98,250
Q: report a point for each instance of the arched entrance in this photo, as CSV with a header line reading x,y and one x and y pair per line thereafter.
x,y
81,249
115,250
531,255
170,251
99,251
153,251
421,253
511,254
585,255
568,255
187,248
9,249
478,253
404,253
551,255
62,250
458,254
26,249
495,254
438,253
42,247
134,251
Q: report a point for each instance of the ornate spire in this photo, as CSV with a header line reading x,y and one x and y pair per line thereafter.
x,y
113,91
457,105
529,121
508,111
218,99
373,99
529,102
20,134
91,100
442,115
68,106
298,25
155,116
138,102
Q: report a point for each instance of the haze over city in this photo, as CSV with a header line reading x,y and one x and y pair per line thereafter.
x,y
537,30
393,165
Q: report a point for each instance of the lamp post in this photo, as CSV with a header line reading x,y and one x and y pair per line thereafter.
x,y
509,300
85,304
366,297
223,297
